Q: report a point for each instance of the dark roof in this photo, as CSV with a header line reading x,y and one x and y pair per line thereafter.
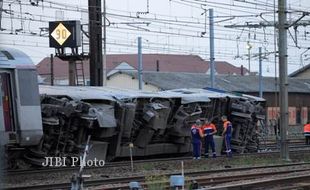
x,y
295,73
168,80
167,63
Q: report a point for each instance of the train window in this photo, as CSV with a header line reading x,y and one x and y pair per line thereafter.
x,y
3,57
28,88
8,55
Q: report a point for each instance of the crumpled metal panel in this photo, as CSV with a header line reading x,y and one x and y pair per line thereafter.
x,y
130,110
156,115
149,115
105,115
144,137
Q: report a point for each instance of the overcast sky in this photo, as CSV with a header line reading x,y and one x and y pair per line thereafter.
x,y
171,26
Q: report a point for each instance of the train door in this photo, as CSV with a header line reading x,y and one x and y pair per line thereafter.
x,y
7,104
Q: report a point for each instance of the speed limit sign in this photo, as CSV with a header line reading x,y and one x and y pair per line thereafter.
x,y
64,34
61,34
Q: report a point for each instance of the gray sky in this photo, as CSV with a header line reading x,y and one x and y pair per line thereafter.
x,y
171,26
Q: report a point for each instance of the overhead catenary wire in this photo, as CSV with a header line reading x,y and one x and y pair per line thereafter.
x,y
158,20
132,44
176,26
182,34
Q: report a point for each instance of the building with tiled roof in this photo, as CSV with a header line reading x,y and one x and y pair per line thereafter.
x,y
151,62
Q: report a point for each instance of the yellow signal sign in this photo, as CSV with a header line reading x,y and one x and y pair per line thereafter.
x,y
61,34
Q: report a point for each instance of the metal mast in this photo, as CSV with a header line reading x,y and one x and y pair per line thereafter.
x,y
283,26
95,43
211,22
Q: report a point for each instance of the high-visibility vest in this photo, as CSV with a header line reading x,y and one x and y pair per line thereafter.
x,y
307,128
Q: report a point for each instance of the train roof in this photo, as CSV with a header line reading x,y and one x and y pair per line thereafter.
x,y
14,58
114,94
203,92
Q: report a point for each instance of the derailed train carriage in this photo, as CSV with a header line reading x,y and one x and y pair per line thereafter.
x,y
156,123
57,121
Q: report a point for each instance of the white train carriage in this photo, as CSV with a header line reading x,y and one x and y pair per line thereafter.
x,y
20,112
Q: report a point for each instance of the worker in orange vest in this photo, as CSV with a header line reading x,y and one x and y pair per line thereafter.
x,y
227,133
209,130
307,132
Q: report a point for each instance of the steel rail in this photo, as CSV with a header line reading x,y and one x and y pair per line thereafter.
x,y
124,164
201,176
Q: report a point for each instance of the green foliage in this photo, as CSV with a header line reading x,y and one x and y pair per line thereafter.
x,y
156,182
147,166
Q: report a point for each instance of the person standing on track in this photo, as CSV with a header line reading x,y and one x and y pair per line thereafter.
x,y
227,133
196,139
307,132
209,130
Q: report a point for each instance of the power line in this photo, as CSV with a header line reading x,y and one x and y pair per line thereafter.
x,y
186,27
192,31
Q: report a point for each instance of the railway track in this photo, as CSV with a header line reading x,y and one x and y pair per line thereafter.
x,y
299,181
270,144
202,177
126,163
274,141
276,146
107,165
206,182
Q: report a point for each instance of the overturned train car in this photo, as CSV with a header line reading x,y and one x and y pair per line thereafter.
x,y
155,123
55,121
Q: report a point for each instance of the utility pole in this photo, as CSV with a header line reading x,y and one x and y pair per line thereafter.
x,y
249,47
211,23
157,65
1,10
249,60
283,78
275,40
104,44
140,62
260,73
95,43
72,73
52,70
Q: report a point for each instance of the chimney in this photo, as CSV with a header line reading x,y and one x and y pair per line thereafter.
x,y
242,70
157,65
